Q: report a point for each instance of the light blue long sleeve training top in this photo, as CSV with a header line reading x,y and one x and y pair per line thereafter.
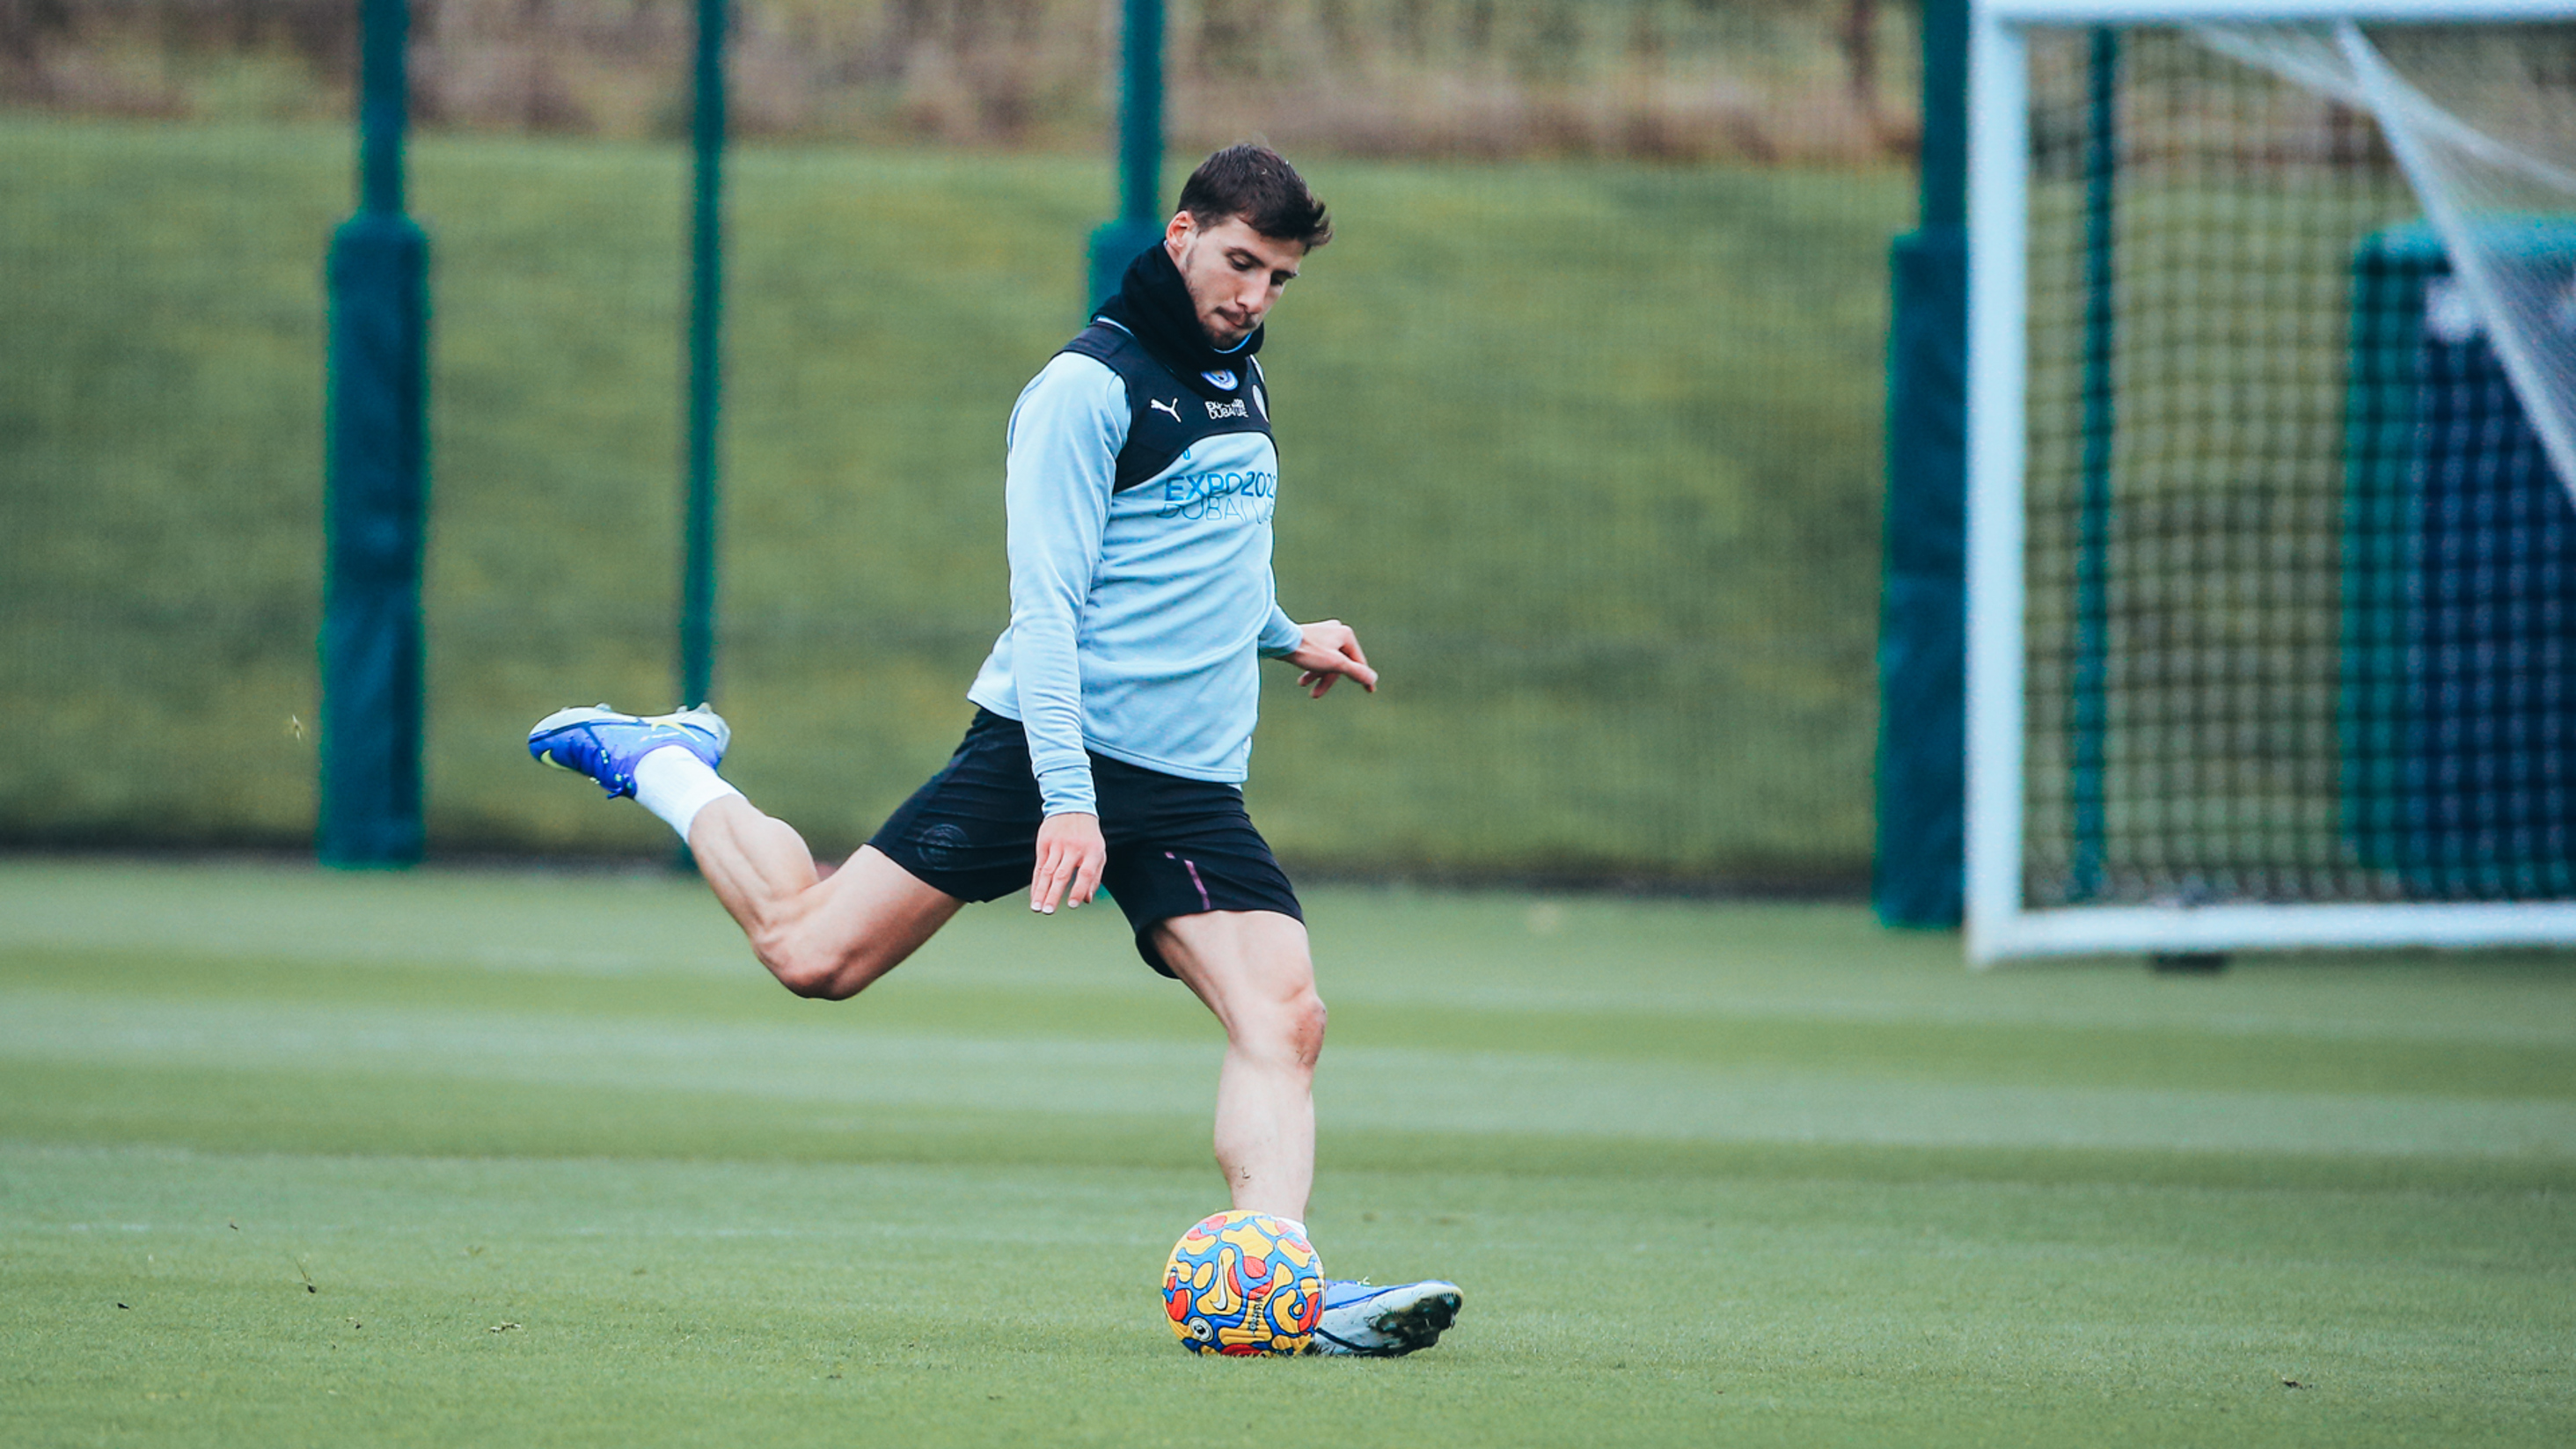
x,y
1139,614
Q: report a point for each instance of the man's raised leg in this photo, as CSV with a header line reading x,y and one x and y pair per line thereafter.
x,y
819,937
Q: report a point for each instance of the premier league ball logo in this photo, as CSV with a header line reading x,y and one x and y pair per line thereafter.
x,y
1245,1284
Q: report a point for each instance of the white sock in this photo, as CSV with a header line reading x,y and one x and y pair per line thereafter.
x,y
676,785
1300,1227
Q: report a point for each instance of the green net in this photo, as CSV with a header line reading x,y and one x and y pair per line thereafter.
x,y
1579,415
2302,585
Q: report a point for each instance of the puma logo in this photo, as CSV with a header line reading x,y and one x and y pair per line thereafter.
x,y
1173,407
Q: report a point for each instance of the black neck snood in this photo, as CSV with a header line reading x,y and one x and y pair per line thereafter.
x,y
1154,304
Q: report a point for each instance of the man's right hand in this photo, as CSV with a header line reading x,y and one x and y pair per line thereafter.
x,y
1071,855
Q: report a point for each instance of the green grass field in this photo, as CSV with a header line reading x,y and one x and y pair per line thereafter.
x,y
457,1157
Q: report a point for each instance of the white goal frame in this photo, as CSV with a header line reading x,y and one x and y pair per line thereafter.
x,y
1999,924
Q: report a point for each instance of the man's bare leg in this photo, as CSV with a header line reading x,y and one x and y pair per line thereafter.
x,y
1252,969
819,937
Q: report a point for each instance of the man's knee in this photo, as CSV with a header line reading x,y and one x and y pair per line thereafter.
x,y
1312,1018
812,970
1293,1029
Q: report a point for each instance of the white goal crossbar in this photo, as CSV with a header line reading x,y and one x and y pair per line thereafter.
x,y
2000,923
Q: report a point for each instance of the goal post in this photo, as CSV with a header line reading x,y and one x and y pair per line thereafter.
x,y
2271,576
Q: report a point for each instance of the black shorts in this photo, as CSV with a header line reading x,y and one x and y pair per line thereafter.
x,y
1176,847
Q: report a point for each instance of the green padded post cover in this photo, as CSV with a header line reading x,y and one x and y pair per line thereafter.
x,y
375,501
1917,874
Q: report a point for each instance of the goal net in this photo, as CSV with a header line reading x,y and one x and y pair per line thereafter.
x,y
2272,438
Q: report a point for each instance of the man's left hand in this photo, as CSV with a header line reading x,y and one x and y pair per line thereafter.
x,y
1328,652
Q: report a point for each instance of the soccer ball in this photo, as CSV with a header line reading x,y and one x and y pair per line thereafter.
x,y
1245,1284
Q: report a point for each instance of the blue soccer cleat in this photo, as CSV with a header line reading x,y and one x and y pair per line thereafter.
x,y
605,745
1372,1322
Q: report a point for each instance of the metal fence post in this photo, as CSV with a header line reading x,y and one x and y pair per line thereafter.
x,y
1140,153
706,361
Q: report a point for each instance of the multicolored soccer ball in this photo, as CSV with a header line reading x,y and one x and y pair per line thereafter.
x,y
1245,1284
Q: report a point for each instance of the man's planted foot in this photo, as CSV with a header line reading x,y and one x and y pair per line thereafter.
x,y
1364,1319
605,745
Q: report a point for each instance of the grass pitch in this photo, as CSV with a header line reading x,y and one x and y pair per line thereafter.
x,y
293,1158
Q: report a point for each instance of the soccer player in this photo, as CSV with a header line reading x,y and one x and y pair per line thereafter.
x,y
1114,715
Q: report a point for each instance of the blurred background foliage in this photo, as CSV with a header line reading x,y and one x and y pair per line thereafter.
x,y
1757,80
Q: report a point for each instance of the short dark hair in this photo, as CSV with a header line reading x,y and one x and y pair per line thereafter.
x,y
1256,183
